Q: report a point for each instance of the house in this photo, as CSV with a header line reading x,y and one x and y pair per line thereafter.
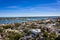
x,y
35,31
57,31
26,38
6,30
0,37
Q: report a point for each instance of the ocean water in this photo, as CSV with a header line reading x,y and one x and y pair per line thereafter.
x,y
17,20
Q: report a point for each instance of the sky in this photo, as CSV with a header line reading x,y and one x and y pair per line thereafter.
x,y
22,8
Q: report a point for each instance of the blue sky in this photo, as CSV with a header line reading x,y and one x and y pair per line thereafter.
x,y
18,8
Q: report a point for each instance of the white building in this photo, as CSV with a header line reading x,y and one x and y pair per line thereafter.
x,y
35,31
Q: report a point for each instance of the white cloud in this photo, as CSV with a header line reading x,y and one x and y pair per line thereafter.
x,y
12,7
58,1
37,9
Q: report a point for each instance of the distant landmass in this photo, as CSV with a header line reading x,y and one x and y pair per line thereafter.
x,y
9,20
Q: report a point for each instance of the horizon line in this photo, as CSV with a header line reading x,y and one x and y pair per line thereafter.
x,y
29,16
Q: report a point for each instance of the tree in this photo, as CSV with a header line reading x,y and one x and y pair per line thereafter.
x,y
47,38
58,38
14,36
7,26
1,30
46,33
17,24
53,35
